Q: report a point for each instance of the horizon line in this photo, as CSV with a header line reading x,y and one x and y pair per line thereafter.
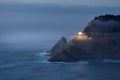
x,y
56,4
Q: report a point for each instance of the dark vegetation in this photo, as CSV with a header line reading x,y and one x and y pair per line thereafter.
x,y
108,17
108,24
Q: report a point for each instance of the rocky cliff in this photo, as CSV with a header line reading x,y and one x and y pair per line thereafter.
x,y
100,40
59,46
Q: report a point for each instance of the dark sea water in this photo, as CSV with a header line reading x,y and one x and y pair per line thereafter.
x,y
32,65
26,31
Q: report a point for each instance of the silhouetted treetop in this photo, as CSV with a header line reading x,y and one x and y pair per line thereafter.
x,y
108,17
104,24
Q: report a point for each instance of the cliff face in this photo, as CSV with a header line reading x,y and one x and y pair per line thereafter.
x,y
59,46
100,47
99,40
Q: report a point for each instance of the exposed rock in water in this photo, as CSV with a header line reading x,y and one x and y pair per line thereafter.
x,y
69,54
59,46
100,40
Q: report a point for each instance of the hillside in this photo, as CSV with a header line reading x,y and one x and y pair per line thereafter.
x,y
100,40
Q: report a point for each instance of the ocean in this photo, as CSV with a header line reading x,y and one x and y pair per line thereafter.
x,y
33,65
28,31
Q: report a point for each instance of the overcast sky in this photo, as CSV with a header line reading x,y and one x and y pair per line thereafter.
x,y
69,2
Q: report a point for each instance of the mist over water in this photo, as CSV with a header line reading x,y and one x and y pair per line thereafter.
x,y
38,28
33,26
26,31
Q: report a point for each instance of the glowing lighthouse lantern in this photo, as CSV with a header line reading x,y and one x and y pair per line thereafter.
x,y
80,33
81,36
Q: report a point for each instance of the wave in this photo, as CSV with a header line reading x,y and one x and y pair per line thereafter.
x,y
43,54
112,60
45,57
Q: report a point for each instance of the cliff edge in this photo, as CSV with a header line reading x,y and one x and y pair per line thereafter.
x,y
100,40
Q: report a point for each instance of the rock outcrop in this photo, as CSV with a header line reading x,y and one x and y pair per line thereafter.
x,y
59,46
100,40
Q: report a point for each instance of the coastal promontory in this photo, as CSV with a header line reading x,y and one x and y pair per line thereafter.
x,y
99,40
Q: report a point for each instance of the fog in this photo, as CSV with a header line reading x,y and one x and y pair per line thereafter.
x,y
41,26
99,26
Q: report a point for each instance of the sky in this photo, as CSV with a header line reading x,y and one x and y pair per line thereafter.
x,y
69,2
